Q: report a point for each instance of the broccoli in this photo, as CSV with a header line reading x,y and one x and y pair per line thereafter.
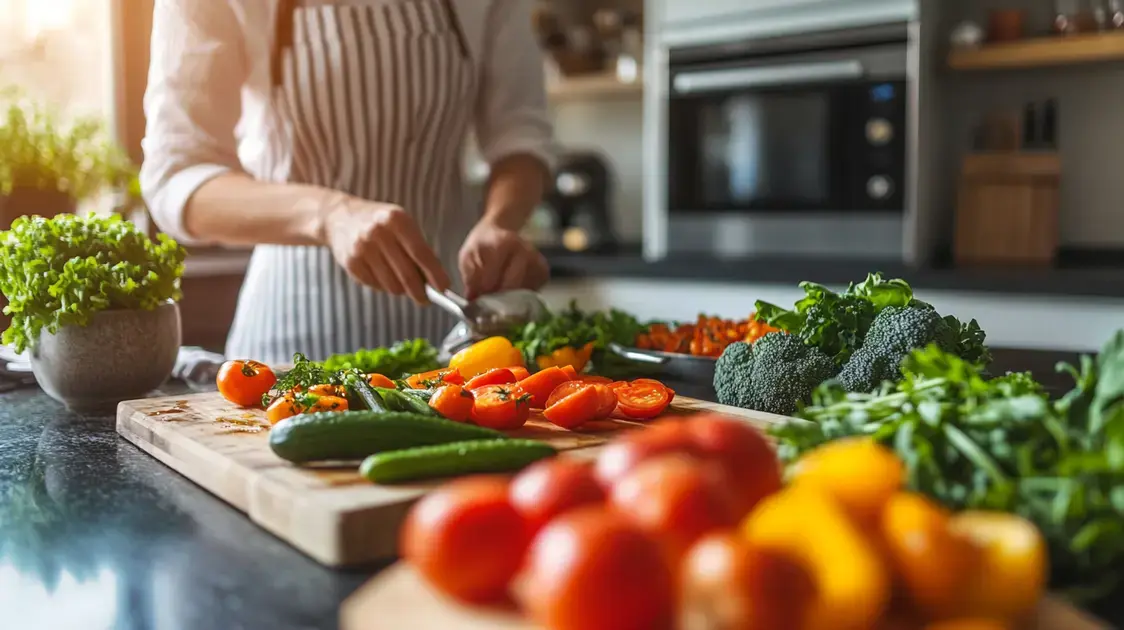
x,y
772,375
893,334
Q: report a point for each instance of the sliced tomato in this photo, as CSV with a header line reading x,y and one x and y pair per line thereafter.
x,y
570,371
652,381
643,401
501,407
436,378
542,384
498,376
590,378
378,380
608,399
327,390
519,372
564,390
576,409
453,402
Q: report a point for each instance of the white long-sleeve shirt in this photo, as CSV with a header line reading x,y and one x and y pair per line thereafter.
x,y
208,100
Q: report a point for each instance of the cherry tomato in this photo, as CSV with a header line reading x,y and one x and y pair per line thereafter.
x,y
540,385
436,378
576,409
590,569
678,499
652,381
498,376
570,371
622,455
549,488
643,401
466,539
519,372
453,402
293,404
745,454
378,380
501,407
327,390
564,390
245,382
608,399
734,585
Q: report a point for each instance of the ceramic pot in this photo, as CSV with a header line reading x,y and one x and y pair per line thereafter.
x,y
120,355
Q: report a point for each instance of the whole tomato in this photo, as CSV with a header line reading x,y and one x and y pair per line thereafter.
x,y
677,499
743,452
591,569
245,382
622,455
552,487
466,538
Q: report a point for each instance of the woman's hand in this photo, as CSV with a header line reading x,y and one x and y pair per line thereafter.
x,y
380,245
496,259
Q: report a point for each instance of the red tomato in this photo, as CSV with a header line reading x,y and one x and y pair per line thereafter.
x,y
605,394
608,400
592,570
501,407
436,378
678,499
576,409
749,460
245,382
453,402
652,381
620,456
597,380
519,372
378,380
570,371
643,401
564,390
540,385
498,376
466,539
549,488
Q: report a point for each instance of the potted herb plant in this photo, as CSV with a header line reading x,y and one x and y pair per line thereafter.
x,y
47,166
93,300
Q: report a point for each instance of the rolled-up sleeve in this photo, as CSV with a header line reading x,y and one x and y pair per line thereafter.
x,y
192,104
511,115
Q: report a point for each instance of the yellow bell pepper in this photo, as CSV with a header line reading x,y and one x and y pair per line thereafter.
x,y
1010,576
806,525
577,358
489,354
860,474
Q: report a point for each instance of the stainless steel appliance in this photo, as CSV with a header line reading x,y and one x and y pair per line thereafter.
x,y
790,145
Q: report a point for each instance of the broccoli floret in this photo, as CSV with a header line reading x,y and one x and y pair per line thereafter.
x,y
772,375
892,335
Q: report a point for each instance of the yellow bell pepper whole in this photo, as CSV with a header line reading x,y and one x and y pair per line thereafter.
x,y
577,358
489,354
852,583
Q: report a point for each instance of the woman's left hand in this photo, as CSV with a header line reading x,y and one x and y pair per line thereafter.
x,y
495,259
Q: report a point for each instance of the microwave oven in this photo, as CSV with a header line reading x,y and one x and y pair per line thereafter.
x,y
789,149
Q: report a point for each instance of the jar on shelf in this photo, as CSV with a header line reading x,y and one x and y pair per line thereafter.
x,y
1072,17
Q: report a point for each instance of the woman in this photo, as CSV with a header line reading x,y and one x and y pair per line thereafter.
x,y
330,134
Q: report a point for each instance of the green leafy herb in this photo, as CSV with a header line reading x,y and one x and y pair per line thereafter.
x,y
574,328
61,271
304,374
401,359
974,442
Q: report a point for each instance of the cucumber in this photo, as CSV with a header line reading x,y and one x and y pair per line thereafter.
x,y
458,458
351,435
396,400
362,390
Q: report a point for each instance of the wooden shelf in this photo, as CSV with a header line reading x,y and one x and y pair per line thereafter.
x,y
1041,52
593,86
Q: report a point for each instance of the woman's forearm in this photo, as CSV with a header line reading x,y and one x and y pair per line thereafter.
x,y
234,209
516,186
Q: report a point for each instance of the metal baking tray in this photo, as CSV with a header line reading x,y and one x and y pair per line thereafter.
x,y
687,368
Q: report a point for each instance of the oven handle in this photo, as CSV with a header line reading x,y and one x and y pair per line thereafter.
x,y
771,76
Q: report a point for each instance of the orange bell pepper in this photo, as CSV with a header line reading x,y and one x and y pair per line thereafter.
x,y
577,358
489,354
1010,575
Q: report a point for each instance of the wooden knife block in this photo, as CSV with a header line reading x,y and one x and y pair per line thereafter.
x,y
1008,209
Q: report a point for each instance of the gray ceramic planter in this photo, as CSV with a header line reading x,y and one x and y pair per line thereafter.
x,y
120,355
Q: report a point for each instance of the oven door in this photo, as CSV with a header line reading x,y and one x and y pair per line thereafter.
x,y
812,132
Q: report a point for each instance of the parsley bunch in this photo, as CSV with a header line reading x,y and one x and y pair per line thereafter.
x,y
61,271
402,359
574,328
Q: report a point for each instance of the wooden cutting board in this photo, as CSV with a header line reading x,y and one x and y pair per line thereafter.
x,y
333,515
398,598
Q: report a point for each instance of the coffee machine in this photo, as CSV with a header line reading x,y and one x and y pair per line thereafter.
x,y
575,213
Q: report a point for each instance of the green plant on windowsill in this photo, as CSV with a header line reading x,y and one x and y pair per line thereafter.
x,y
41,152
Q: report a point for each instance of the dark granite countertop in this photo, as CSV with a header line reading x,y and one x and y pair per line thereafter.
x,y
1075,276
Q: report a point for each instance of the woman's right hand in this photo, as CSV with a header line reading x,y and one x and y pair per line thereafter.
x,y
380,246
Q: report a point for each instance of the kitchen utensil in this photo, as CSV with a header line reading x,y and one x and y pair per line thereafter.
x,y
686,368
490,314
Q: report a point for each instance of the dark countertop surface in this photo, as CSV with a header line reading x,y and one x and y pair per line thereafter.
x,y
1077,275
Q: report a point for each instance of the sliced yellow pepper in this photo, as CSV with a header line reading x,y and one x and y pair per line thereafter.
x,y
577,358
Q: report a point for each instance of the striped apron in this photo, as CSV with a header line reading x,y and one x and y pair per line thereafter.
x,y
374,99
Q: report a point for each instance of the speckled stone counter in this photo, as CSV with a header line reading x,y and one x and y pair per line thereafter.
x,y
94,534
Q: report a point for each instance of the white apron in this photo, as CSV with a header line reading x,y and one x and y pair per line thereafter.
x,y
375,97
